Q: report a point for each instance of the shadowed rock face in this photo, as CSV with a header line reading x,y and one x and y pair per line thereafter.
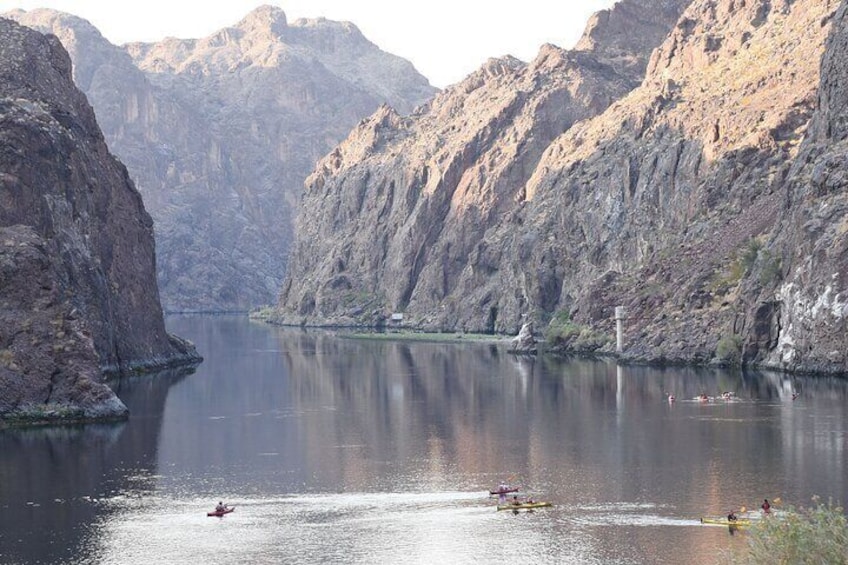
x,y
219,134
78,287
684,200
805,323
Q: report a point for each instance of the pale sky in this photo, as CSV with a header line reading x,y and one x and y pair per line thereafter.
x,y
445,39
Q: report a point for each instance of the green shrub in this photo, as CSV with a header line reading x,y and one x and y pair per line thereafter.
x,y
562,333
262,313
817,535
741,265
749,255
561,328
729,349
771,271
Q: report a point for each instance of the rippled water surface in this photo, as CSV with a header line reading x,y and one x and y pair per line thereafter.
x,y
338,450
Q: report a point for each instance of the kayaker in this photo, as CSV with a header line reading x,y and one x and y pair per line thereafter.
x,y
515,501
766,506
221,507
732,516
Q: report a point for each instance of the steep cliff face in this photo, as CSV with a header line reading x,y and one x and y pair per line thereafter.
x,y
677,202
219,134
77,262
663,203
395,218
806,322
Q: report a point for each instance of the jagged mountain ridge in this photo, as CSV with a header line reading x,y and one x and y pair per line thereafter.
x,y
220,132
430,186
671,202
77,265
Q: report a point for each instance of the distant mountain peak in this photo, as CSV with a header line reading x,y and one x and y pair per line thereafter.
x,y
265,18
220,132
609,33
322,23
56,20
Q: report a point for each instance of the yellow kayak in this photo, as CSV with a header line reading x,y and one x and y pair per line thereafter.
x,y
739,523
524,506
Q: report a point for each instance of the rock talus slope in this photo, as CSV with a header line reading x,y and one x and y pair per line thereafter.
x,y
77,265
219,133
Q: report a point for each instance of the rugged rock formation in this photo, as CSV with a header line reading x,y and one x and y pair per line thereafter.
x,y
805,325
662,203
396,218
680,202
78,294
525,341
219,134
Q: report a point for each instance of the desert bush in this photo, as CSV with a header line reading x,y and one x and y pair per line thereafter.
x,y
749,255
741,265
729,349
771,271
561,328
806,536
564,334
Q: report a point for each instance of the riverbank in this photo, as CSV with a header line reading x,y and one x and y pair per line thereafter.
x,y
409,335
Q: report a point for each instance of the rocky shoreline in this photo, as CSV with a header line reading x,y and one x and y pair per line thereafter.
x,y
527,343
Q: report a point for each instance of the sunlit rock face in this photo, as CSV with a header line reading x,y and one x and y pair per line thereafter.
x,y
219,134
562,186
666,203
78,294
414,214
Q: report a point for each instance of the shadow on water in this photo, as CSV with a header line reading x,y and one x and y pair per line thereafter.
x,y
51,478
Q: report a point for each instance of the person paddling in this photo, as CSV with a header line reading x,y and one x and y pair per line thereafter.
x,y
221,507
731,517
766,506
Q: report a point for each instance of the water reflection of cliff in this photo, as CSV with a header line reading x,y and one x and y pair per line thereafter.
x,y
51,478
604,429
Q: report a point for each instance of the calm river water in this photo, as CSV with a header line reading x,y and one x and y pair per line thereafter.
x,y
337,450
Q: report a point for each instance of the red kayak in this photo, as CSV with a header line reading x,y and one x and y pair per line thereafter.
x,y
506,490
221,512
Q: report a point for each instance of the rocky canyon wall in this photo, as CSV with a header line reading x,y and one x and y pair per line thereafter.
x,y
78,294
402,216
219,133
705,196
